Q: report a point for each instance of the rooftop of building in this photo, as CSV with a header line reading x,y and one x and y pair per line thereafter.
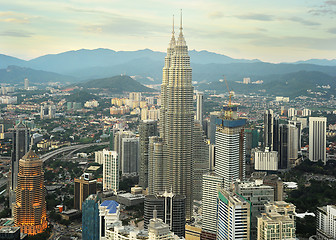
x,y
258,183
9,229
111,205
131,196
232,197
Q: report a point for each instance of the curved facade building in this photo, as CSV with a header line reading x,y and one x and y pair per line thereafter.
x,y
30,206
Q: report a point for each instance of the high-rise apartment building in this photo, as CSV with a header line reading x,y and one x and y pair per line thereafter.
x,y
109,212
278,222
30,205
211,185
130,156
110,162
84,186
170,208
26,84
317,139
47,111
177,119
90,218
326,222
155,165
230,147
147,129
233,216
199,107
19,149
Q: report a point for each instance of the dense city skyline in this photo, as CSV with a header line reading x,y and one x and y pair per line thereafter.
x,y
268,30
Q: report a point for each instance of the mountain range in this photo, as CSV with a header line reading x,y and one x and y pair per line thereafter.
x,y
146,67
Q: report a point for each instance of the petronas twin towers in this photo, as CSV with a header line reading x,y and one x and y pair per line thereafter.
x,y
177,120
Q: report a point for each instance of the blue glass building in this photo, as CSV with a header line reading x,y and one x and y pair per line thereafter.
x,y
90,218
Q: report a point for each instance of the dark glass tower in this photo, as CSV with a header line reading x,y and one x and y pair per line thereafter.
x,y
19,149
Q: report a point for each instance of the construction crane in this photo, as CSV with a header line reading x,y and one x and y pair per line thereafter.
x,y
228,112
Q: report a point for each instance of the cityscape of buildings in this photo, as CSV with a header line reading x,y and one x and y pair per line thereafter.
x,y
179,164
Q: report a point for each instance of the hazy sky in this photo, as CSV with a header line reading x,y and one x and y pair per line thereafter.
x,y
270,30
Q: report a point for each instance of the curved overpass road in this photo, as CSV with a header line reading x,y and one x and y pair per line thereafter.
x,y
72,148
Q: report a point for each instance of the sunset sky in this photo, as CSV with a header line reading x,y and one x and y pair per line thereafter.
x,y
270,30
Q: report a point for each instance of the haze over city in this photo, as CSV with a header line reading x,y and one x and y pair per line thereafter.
x,y
273,31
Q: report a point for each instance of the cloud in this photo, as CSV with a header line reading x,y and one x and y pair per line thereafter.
x,y
256,16
215,14
20,34
303,21
330,2
332,30
15,20
327,8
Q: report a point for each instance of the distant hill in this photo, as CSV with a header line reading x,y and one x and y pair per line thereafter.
x,y
16,75
322,62
116,84
291,84
6,61
80,96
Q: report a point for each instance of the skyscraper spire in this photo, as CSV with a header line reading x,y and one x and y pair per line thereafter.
x,y
173,26
181,41
181,21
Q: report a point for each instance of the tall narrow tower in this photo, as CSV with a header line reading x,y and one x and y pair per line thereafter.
x,y
178,120
30,206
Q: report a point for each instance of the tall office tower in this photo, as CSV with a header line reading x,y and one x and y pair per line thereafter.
x,y
268,128
155,165
130,156
118,137
110,170
276,183
170,208
278,222
177,122
84,187
165,81
26,83
257,194
233,216
19,149
158,230
325,222
288,149
211,184
90,218
199,107
200,160
266,160
298,126
230,146
317,139
276,136
30,205
147,129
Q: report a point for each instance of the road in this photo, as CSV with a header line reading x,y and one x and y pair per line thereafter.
x,y
72,148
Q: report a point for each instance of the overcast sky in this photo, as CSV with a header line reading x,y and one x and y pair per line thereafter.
x,y
270,30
